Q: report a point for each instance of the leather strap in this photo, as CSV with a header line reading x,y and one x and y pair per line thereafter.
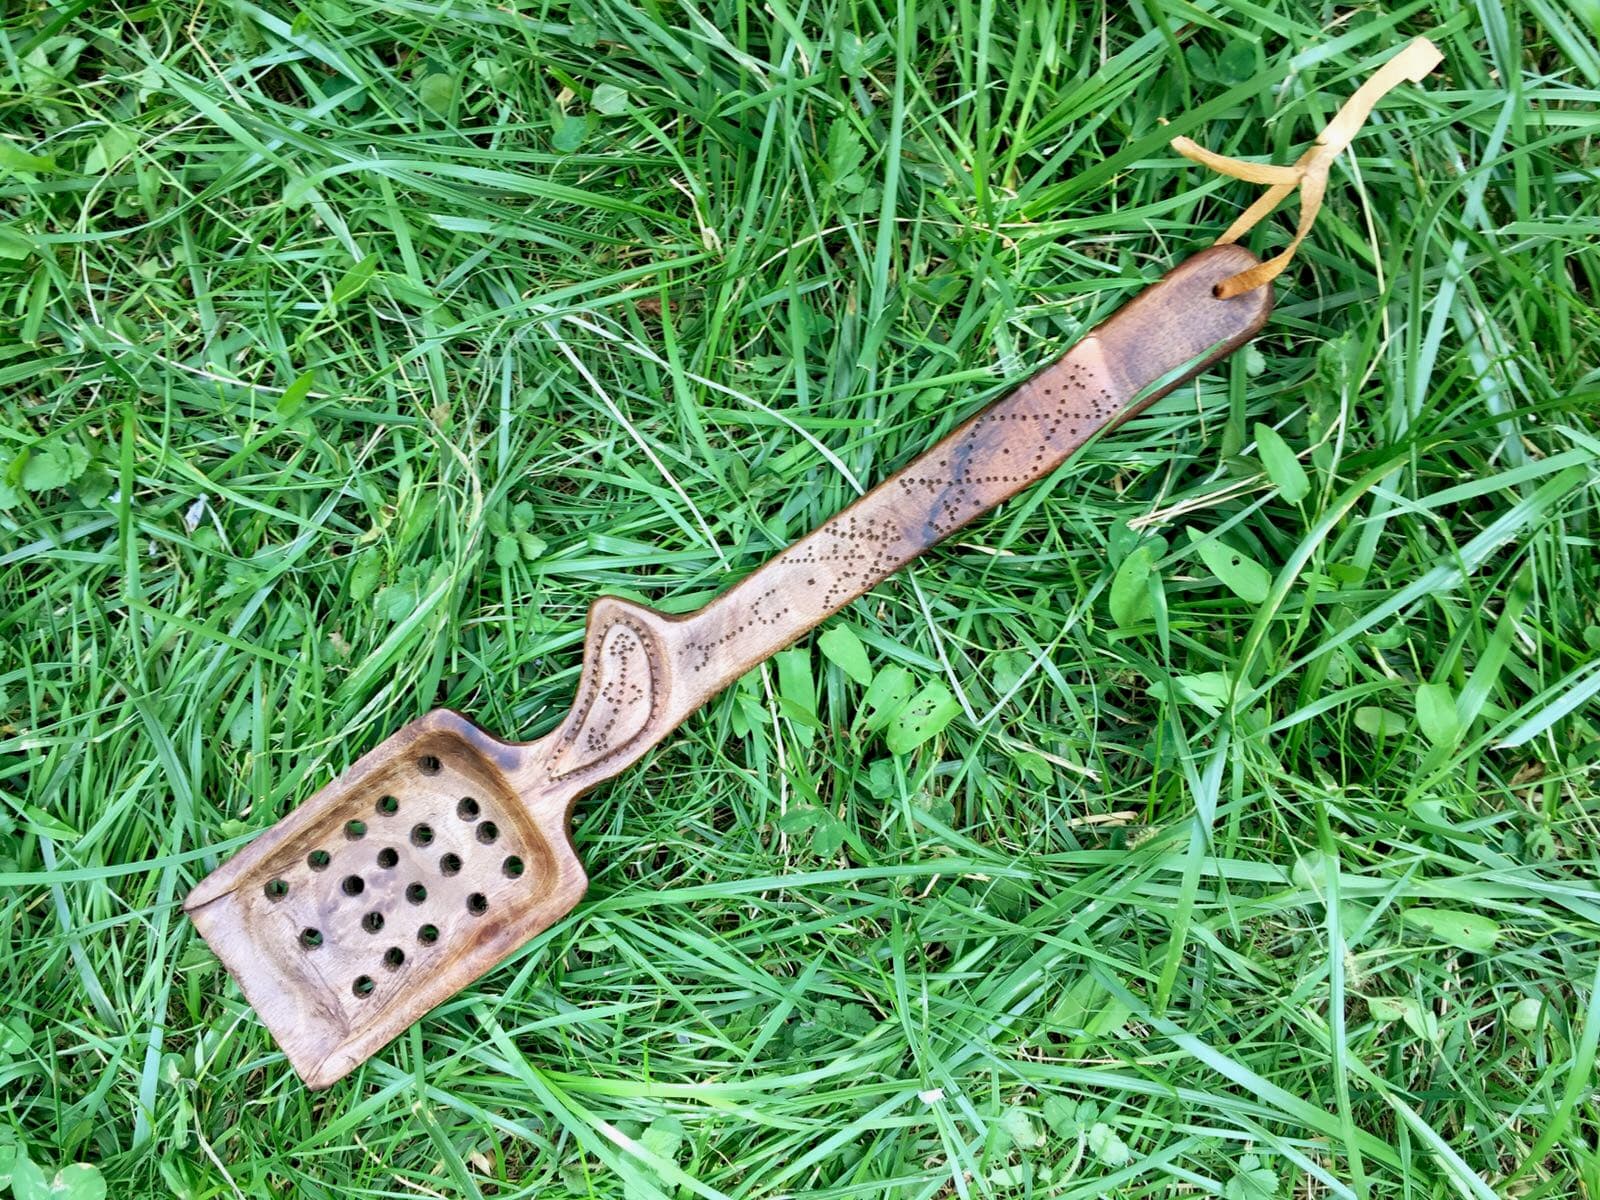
x,y
1310,171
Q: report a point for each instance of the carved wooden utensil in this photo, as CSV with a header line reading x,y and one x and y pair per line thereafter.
x,y
444,849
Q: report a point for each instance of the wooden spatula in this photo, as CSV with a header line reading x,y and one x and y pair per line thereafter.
x,y
444,849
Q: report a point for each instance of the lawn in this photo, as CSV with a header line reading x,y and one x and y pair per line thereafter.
x,y
349,349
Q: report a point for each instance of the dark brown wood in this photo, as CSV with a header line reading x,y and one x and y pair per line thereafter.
x,y
445,849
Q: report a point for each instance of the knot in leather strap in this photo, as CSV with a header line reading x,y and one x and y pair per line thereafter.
x,y
1310,171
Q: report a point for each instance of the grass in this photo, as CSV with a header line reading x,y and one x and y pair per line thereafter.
x,y
347,350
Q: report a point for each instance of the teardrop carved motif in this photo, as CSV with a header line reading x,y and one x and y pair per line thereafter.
x,y
616,703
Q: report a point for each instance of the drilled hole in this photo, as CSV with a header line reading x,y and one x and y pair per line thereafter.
x,y
393,957
387,857
276,889
363,986
388,806
318,859
372,922
512,867
355,829
468,809
352,885
487,832
477,904
450,864
428,935
421,835
311,938
416,893
429,764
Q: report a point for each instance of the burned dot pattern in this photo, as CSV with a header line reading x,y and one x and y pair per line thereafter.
x,y
617,698
1013,444
621,688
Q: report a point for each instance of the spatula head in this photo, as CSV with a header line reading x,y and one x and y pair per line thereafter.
x,y
396,885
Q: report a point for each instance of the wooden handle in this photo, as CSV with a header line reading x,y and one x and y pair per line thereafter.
x,y
1169,333
645,671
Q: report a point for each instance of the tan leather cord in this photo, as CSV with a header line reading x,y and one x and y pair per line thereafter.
x,y
1310,171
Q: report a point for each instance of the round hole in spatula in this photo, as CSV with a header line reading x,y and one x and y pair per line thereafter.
x,y
311,938
428,935
317,860
388,806
363,986
468,809
487,832
276,889
353,885
355,829
422,834
416,893
388,857
512,867
429,764
372,922
477,904
450,864
393,957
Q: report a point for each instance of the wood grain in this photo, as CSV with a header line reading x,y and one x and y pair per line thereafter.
x,y
445,849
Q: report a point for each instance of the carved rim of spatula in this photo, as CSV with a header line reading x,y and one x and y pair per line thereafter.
x,y
445,849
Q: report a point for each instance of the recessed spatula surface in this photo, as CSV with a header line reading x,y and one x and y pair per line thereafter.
x,y
411,874
444,849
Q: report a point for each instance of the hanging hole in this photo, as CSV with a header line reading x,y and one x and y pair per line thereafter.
x,y
387,857
311,938
512,867
1216,291
388,806
477,904
487,832
318,860
352,885
355,829
468,809
372,922
429,764
428,935
450,864
363,986
416,893
421,835
276,889
393,957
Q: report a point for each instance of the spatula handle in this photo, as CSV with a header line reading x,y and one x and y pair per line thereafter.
x,y
1170,332
644,671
